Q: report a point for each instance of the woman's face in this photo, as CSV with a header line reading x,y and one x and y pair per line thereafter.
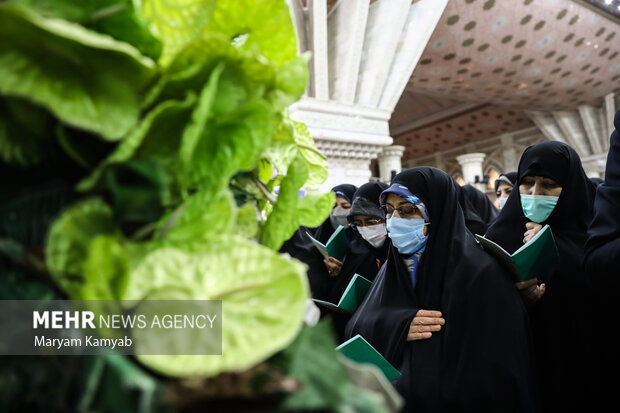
x,y
539,185
503,190
342,202
396,206
366,221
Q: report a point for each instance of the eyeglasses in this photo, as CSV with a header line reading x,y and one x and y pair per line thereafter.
x,y
403,210
367,223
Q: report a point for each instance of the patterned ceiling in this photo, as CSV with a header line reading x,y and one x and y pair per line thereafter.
x,y
488,60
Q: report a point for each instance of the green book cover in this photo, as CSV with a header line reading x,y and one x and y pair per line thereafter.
x,y
533,258
352,297
538,255
360,350
336,246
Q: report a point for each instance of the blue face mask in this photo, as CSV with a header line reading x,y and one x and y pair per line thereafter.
x,y
407,235
537,208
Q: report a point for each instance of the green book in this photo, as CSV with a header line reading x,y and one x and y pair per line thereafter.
x,y
360,350
336,246
352,297
535,257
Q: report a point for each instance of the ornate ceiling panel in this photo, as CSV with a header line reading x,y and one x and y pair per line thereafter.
x,y
509,56
482,123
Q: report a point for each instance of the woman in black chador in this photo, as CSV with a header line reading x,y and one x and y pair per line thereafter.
x,y
603,267
442,311
553,189
299,245
367,249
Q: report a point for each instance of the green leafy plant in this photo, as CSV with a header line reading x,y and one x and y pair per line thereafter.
x,y
167,121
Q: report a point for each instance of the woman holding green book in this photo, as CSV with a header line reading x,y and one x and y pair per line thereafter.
x,y
299,245
443,311
366,250
554,190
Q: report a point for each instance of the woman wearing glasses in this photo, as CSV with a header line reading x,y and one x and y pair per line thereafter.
x,y
442,311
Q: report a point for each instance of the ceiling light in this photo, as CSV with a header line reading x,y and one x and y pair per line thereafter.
x,y
608,2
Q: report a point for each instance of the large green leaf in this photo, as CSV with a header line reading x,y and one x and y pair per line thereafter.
x,y
283,221
105,270
291,82
201,114
203,215
263,300
86,79
177,23
263,27
69,241
293,138
117,18
246,224
315,160
314,208
283,149
232,143
193,66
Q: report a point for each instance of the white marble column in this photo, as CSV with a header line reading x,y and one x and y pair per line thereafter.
x,y
363,54
471,163
390,160
509,153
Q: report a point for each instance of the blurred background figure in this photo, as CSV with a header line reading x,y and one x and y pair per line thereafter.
x,y
503,187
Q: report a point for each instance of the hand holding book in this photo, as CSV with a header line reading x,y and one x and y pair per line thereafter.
x,y
530,291
538,255
333,266
532,229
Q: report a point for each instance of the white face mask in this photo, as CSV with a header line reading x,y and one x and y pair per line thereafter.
x,y
374,234
502,202
338,216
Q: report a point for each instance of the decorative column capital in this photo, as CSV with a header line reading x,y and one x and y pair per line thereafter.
x,y
392,151
469,158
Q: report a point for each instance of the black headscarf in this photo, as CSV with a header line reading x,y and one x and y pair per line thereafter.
x,y
561,352
480,361
573,212
509,178
325,230
481,203
361,257
473,221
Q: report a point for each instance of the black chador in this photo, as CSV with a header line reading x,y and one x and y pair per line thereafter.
x,y
481,359
561,316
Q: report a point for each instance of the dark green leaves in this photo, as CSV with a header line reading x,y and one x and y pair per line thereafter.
x,y
87,80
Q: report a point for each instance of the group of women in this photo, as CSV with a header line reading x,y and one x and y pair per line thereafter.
x,y
449,316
